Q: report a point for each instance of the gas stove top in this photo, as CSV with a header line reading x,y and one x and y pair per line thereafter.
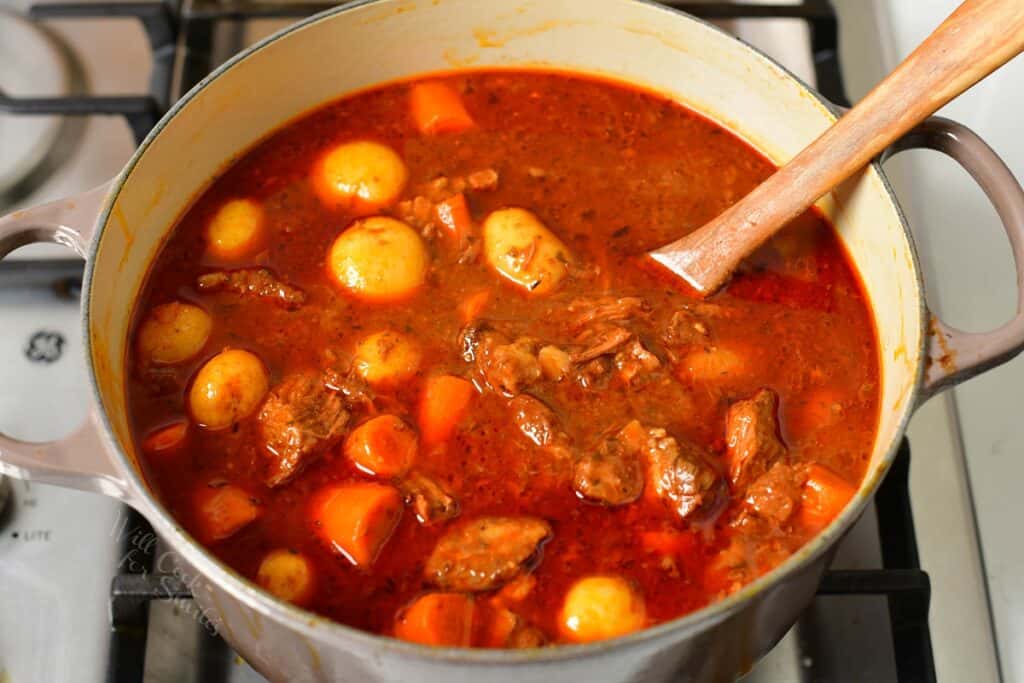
x,y
67,558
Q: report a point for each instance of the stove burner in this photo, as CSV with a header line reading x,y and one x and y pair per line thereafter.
x,y
45,346
31,63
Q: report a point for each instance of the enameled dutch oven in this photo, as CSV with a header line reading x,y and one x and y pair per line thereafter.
x,y
120,227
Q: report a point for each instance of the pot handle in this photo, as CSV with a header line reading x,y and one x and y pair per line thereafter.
x,y
80,460
954,355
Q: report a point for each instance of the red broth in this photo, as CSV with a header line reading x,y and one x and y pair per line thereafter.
x,y
611,171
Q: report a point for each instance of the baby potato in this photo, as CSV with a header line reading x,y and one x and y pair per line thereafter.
x,y
601,607
718,363
523,250
378,259
288,575
228,388
360,176
173,333
386,358
236,230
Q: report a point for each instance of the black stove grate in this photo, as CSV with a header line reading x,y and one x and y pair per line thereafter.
x,y
177,28
181,33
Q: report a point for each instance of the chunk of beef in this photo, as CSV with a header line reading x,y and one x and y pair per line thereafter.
x,y
680,475
428,499
506,367
611,473
634,360
300,419
257,282
537,422
589,374
484,553
601,341
339,376
752,438
684,328
607,309
775,494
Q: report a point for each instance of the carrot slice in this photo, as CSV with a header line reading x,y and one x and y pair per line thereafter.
x,y
166,438
224,510
824,496
357,519
444,402
453,214
474,304
437,619
437,108
384,446
498,627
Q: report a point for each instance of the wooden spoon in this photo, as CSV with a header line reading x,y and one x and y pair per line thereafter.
x,y
978,38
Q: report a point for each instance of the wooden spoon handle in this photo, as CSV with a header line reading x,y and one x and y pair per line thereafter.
x,y
978,38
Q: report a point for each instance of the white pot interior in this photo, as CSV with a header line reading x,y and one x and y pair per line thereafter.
x,y
379,42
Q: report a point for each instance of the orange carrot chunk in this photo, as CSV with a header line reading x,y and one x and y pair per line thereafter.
x,y
473,305
824,496
437,619
384,446
453,214
498,627
437,108
357,519
223,511
443,404
166,438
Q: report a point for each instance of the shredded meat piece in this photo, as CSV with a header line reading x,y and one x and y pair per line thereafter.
x,y
506,367
486,552
681,476
684,328
611,474
752,438
634,360
607,309
258,282
428,499
470,251
300,419
486,179
339,377
775,494
601,341
591,373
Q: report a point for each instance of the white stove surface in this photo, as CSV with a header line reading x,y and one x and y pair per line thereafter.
x,y
60,548
965,489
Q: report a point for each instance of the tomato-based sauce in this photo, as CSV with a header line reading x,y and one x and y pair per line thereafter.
x,y
603,451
